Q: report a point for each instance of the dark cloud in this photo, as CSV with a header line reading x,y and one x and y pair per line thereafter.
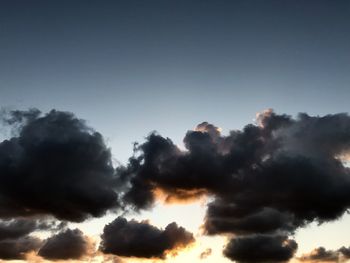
x,y
345,251
265,180
261,248
17,248
15,239
54,164
223,217
247,161
68,244
16,228
269,178
321,254
140,239
206,253
162,165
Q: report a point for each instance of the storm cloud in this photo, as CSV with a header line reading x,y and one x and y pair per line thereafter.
x,y
140,239
16,239
68,244
18,248
54,165
267,179
261,248
15,228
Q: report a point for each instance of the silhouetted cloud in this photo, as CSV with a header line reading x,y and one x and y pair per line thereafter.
x,y
15,228
18,247
68,244
268,178
15,239
261,248
140,239
223,217
54,164
345,251
321,254
265,180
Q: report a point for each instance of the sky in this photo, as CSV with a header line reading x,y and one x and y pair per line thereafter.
x,y
129,68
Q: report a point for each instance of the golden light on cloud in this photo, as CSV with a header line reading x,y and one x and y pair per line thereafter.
x,y
180,196
260,116
181,248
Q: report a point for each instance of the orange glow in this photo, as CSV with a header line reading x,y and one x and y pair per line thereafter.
x,y
180,248
180,196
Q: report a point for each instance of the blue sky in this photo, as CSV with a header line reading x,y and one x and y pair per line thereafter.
x,y
131,67
126,66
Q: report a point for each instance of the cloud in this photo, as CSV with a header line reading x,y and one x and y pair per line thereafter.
x,y
19,247
267,179
345,251
321,254
15,239
206,253
261,248
68,244
162,165
54,165
15,228
142,240
223,217
112,259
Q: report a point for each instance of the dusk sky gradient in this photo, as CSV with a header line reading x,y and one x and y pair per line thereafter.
x,y
132,67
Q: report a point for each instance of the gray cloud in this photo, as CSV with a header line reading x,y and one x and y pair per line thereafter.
x,y
266,180
261,248
321,254
55,165
68,244
17,248
269,178
140,239
15,236
15,228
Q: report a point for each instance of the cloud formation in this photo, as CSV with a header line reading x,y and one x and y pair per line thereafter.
x,y
15,236
17,248
321,254
267,179
54,165
206,253
68,244
142,240
260,248
15,228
